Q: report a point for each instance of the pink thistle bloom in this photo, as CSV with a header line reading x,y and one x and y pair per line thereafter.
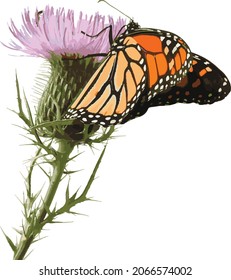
x,y
56,32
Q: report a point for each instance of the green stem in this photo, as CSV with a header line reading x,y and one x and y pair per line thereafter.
x,y
30,230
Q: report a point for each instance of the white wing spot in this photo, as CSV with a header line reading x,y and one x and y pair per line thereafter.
x,y
168,42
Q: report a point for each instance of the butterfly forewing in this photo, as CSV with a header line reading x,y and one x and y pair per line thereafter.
x,y
168,59
113,89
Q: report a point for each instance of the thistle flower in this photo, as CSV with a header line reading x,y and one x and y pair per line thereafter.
x,y
56,32
66,44
55,36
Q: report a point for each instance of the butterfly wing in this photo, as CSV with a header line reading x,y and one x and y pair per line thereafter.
x,y
205,83
113,89
145,61
167,56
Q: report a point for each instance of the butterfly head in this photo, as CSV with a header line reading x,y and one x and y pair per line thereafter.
x,y
132,26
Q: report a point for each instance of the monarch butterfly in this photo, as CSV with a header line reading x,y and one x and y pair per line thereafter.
x,y
141,63
203,84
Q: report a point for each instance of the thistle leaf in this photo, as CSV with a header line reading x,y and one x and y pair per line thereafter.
x,y
92,177
73,213
28,110
10,242
18,231
44,171
75,156
67,193
21,113
72,171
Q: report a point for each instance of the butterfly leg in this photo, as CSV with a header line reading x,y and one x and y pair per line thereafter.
x,y
96,35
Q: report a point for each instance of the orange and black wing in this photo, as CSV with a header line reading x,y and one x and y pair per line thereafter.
x,y
205,83
113,90
138,65
167,56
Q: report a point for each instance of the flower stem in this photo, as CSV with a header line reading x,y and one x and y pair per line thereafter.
x,y
64,151
33,226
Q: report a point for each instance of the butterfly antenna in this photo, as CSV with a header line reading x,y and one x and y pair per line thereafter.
x,y
115,9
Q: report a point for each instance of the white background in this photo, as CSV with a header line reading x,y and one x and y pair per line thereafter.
x,y
164,186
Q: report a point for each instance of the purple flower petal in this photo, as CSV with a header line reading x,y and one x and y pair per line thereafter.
x,y
55,31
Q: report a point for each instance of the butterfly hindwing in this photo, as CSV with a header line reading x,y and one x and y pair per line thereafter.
x,y
205,83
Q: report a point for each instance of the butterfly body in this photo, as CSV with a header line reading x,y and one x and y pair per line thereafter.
x,y
140,60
